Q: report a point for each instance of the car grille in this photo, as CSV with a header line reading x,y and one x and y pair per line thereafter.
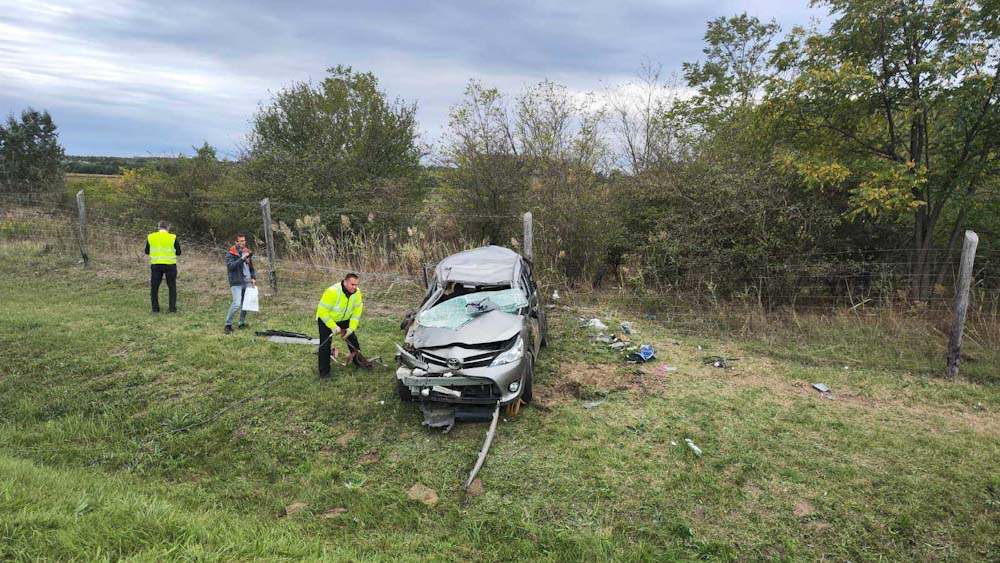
x,y
477,361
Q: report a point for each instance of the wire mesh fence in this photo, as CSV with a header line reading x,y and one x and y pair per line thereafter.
x,y
331,241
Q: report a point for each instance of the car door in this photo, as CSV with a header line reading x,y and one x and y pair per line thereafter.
x,y
535,314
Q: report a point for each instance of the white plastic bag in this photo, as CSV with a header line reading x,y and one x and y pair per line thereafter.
x,y
251,300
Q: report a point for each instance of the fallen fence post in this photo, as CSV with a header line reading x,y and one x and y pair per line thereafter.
x,y
529,252
82,207
961,301
265,207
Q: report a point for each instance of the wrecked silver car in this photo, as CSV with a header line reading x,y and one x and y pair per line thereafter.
x,y
475,337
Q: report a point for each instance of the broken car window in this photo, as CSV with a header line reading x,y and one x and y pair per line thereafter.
x,y
459,310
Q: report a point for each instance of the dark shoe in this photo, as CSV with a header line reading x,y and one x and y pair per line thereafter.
x,y
156,310
228,329
172,311
324,378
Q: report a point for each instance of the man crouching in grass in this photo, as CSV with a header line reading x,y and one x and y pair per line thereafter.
x,y
339,312
239,265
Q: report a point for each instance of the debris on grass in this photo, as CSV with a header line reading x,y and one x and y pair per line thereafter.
x,y
627,328
693,447
333,513
824,391
595,404
422,493
294,507
369,458
593,323
718,361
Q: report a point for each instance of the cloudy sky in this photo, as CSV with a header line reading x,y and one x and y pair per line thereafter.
x,y
135,77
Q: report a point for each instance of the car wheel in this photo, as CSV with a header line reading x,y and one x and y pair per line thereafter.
x,y
528,390
404,392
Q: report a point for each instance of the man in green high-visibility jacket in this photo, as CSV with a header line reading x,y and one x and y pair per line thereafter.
x,y
339,312
163,249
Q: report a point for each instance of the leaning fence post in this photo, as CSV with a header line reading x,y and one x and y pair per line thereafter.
x,y
529,252
265,207
82,206
961,301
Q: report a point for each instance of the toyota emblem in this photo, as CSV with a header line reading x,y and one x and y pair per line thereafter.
x,y
454,363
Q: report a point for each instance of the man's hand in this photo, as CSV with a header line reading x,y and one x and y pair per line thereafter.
x,y
347,333
337,329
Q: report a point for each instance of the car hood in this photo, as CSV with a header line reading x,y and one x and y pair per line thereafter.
x,y
494,326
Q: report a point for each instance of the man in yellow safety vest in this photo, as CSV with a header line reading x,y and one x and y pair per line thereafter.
x,y
339,312
163,250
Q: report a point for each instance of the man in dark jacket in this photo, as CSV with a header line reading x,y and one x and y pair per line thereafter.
x,y
239,265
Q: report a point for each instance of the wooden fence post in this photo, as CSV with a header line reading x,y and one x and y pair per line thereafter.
x,y
961,301
265,206
81,205
529,251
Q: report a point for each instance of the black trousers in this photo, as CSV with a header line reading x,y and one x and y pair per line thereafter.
x,y
156,274
326,341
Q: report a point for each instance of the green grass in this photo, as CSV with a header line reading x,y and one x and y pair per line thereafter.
x,y
157,437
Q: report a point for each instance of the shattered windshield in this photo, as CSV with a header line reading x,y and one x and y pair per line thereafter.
x,y
457,311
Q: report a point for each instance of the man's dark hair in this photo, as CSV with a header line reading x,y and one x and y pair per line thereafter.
x,y
240,235
350,275
163,225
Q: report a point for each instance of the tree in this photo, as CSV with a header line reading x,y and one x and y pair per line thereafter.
x,y
30,154
897,106
330,145
486,182
737,64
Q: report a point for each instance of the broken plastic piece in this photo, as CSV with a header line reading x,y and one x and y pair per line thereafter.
x,y
821,387
446,391
594,404
694,448
626,327
595,323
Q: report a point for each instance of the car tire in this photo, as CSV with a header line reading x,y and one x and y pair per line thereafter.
x,y
527,391
404,392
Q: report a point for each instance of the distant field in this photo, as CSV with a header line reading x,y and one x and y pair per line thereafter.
x,y
157,437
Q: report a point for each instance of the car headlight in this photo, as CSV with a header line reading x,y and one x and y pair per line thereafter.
x,y
510,355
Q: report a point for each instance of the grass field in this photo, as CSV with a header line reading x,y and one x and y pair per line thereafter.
x,y
125,434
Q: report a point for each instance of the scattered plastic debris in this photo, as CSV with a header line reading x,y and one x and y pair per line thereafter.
x,y
718,361
666,368
824,391
595,323
645,354
694,448
603,338
595,404
555,295
649,316
673,443
618,345
627,328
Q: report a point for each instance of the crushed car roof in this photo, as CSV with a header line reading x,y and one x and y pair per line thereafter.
x,y
486,265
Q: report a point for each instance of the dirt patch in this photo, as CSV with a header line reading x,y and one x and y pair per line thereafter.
x,y
818,526
577,380
346,438
803,509
422,493
369,458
